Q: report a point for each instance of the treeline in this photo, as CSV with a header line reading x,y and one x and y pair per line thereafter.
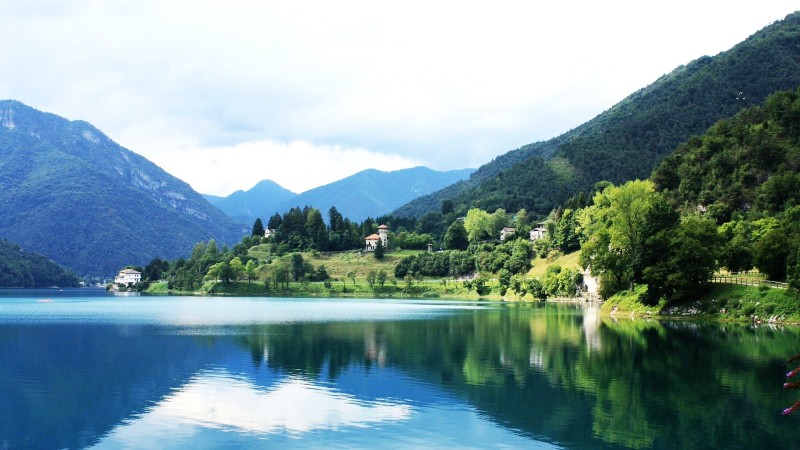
x,y
22,269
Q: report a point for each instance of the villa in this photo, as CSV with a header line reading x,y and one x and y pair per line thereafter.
x,y
128,277
371,241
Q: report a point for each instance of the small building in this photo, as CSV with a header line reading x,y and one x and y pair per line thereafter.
x,y
269,232
128,277
507,231
539,232
371,241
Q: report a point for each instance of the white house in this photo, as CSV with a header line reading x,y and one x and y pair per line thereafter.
x,y
539,232
371,241
268,232
128,277
507,231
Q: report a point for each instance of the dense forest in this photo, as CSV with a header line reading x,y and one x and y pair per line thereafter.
x,y
22,269
628,140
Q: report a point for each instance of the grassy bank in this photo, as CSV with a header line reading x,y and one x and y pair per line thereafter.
x,y
721,302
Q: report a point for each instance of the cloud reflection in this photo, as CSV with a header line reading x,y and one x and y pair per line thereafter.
x,y
219,400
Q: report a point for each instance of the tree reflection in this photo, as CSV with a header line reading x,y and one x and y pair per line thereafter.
x,y
558,374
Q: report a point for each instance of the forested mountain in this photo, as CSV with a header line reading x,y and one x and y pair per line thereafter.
x,y
69,192
629,139
259,201
23,269
373,193
748,164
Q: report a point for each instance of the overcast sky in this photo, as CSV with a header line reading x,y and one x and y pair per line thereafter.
x,y
223,94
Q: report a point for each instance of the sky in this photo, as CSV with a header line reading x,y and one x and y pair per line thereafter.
x,y
224,94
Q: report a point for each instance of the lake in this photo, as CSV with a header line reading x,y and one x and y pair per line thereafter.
x,y
86,369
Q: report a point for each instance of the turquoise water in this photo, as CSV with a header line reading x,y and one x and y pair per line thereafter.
x,y
90,370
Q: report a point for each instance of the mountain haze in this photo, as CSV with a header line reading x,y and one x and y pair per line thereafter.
x,y
630,138
369,193
261,200
372,193
69,192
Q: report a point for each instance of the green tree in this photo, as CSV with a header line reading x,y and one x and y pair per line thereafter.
x,y
566,236
615,228
379,250
250,269
352,275
456,236
258,228
381,278
372,278
478,225
298,267
237,268
687,258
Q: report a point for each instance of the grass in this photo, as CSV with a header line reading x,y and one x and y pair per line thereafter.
x,y
726,302
540,265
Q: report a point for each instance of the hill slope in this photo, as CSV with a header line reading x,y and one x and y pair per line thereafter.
x,y
23,269
261,200
629,139
69,192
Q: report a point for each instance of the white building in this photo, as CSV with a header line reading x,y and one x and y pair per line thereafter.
x,y
269,232
128,277
539,232
507,231
371,241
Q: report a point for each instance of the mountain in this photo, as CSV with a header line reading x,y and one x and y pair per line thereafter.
x,y
628,140
22,269
372,193
259,201
748,164
69,192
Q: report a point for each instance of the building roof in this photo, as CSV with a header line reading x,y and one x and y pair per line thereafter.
x,y
130,271
372,237
383,227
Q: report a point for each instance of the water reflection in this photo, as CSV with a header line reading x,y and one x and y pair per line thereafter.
x,y
523,376
295,405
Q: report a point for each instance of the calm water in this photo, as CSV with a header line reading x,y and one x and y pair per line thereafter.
x,y
89,370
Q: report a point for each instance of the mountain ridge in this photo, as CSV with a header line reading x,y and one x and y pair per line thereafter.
x,y
71,193
628,139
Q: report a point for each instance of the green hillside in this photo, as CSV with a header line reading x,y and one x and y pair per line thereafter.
x,y
22,269
629,139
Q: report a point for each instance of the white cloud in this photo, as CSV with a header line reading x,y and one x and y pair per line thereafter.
x,y
444,84
297,165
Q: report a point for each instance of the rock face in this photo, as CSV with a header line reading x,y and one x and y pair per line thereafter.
x,y
71,193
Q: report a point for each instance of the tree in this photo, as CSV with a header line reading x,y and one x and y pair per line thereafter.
x,y
258,228
478,225
237,268
447,207
250,269
456,237
616,228
379,250
372,278
566,235
793,270
298,266
771,253
687,258
381,277
352,275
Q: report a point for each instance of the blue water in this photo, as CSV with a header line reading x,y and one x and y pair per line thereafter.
x,y
86,369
